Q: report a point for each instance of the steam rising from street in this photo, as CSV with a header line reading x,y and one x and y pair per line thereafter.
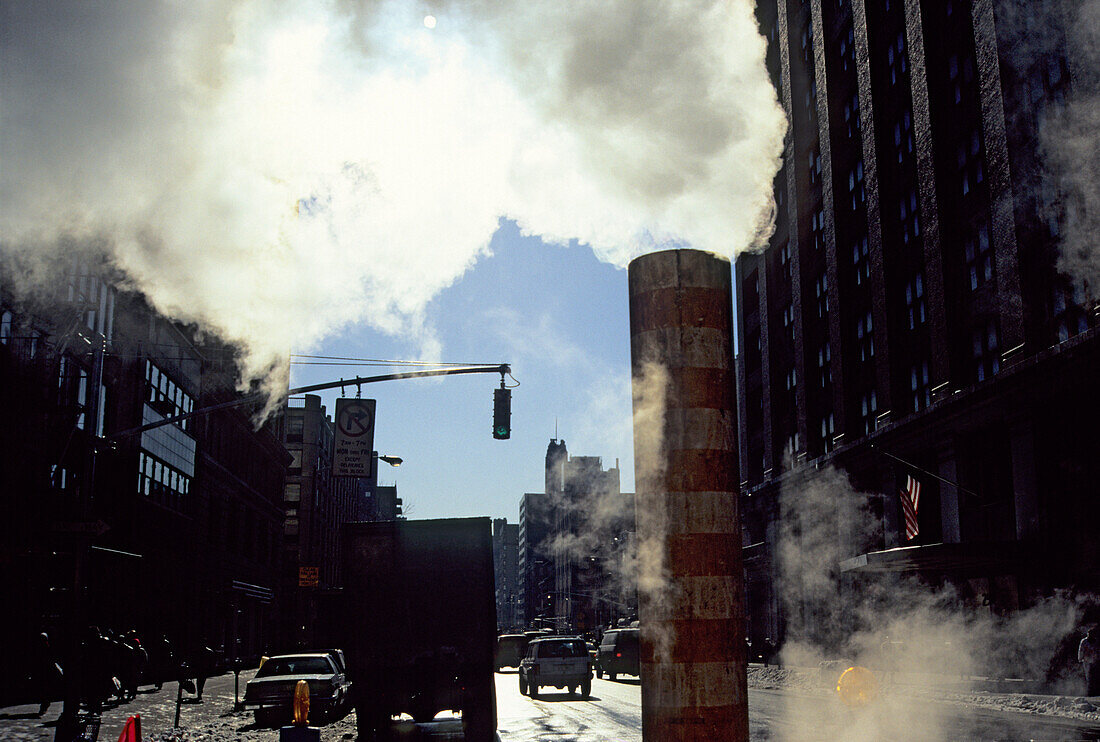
x,y
903,630
276,170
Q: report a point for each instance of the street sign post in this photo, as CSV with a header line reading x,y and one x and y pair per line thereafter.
x,y
354,438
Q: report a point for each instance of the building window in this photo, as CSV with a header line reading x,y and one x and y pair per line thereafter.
x,y
896,60
861,261
987,357
792,379
918,384
851,116
161,482
785,259
294,429
903,136
824,367
7,319
815,166
847,50
908,217
868,411
293,492
914,301
865,338
855,185
165,396
969,160
821,290
817,228
979,258
828,430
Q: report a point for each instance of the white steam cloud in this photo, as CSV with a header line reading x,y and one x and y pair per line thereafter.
x,y
275,170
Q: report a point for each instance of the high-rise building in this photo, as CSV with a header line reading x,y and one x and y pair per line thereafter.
x,y
908,317
506,572
536,572
316,504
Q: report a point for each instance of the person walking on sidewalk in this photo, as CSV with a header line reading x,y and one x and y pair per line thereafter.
x,y
1088,654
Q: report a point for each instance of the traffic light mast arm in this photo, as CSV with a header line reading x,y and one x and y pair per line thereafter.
x,y
502,369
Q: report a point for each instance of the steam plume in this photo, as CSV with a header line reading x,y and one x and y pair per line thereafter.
x,y
904,630
276,170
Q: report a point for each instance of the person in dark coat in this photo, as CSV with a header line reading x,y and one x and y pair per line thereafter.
x,y
203,661
47,676
1088,654
161,661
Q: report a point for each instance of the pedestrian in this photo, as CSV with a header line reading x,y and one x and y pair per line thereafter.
x,y
204,660
161,661
1088,654
47,674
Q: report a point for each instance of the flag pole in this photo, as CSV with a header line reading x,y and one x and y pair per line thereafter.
x,y
916,468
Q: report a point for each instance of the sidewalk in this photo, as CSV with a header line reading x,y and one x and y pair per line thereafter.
x,y
992,693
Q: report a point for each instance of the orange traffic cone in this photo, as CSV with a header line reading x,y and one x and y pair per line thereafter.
x,y
132,731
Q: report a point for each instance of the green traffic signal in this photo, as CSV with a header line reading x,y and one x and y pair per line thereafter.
x,y
502,413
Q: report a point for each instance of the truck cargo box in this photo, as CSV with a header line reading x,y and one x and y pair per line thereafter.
x,y
420,622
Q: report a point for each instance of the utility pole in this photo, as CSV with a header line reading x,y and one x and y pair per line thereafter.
x,y
68,724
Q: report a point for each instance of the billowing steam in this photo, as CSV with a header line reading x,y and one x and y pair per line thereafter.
x,y
656,591
905,631
1071,144
275,170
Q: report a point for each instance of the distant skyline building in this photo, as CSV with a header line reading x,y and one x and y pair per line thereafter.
x,y
907,316
506,572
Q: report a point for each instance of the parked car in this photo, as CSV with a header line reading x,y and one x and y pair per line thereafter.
x,y
618,653
510,650
271,691
561,662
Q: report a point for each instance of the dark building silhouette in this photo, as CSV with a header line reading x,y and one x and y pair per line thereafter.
x,y
536,571
506,572
178,526
908,316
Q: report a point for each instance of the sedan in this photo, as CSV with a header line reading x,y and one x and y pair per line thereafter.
x,y
272,689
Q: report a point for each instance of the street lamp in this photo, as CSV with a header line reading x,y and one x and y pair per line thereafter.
x,y
391,460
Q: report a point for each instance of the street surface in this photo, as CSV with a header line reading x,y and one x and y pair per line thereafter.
x,y
612,714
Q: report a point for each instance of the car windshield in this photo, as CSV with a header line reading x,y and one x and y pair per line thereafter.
x,y
563,649
295,666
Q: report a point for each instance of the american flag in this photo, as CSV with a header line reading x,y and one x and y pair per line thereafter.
x,y
910,498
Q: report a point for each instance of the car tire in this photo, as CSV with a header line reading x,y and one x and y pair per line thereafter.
x,y
534,690
599,672
572,690
522,685
611,676
586,689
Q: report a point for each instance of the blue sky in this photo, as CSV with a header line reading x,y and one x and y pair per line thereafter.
x,y
559,316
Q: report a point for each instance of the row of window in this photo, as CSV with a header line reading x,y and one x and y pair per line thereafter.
x,y
161,482
166,396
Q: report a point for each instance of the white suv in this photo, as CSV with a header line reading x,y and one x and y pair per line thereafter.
x,y
561,662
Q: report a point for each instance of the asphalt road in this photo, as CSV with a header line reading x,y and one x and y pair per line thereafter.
x,y
612,714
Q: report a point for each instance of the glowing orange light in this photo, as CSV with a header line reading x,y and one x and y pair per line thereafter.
x,y
857,686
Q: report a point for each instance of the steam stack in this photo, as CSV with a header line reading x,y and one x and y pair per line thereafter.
x,y
689,534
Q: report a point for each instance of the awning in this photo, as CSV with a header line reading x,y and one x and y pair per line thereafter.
x,y
983,557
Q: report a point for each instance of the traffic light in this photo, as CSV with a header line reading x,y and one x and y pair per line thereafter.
x,y
502,413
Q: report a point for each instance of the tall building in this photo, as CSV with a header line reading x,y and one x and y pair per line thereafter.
x,y
316,504
174,528
506,571
536,572
907,317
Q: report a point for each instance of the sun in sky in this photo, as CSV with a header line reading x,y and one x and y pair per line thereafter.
x,y
429,21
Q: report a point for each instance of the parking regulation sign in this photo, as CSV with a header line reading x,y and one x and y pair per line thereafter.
x,y
354,438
